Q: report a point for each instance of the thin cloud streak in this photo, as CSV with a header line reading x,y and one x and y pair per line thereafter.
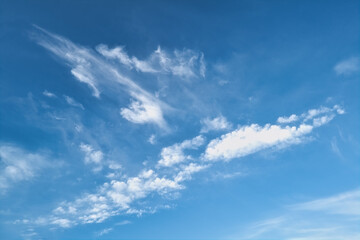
x,y
334,217
92,69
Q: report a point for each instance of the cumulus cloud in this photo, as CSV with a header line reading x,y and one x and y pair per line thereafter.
x,y
215,124
252,138
175,154
143,112
348,66
291,118
120,196
311,114
94,157
18,165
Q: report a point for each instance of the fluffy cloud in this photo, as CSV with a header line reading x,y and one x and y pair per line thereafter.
x,y
93,156
253,138
175,154
218,123
119,196
143,112
291,118
249,139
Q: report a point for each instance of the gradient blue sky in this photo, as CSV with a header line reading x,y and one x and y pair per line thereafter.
x,y
179,120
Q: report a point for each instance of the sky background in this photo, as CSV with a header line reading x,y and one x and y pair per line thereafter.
x,y
179,120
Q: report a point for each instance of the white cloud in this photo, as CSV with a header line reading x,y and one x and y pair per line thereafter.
x,y
115,53
187,171
49,94
186,63
317,122
252,138
91,155
119,197
218,123
81,73
73,103
96,71
175,154
348,66
291,118
310,114
143,112
18,165
115,197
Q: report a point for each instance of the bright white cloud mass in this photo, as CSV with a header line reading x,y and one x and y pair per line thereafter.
x,y
179,120
249,139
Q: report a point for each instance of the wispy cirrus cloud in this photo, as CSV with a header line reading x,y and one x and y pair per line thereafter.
x,y
98,70
49,94
334,217
99,74
347,203
186,63
73,103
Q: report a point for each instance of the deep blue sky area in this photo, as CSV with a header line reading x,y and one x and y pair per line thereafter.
x,y
179,120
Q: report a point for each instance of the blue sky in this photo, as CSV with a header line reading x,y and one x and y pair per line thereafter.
x,y
179,120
